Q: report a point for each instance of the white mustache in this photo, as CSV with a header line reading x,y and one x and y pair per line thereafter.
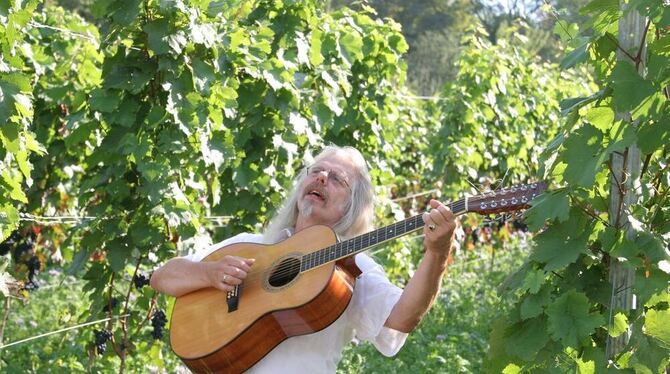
x,y
318,187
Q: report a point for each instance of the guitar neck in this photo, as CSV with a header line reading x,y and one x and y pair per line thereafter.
x,y
368,240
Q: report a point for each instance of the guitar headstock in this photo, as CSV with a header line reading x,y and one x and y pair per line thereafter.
x,y
506,200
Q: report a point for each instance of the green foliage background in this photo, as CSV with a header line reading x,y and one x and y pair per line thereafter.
x,y
164,117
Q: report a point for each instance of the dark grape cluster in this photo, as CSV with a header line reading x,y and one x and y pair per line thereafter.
x,y
34,266
519,225
110,305
9,243
158,321
101,338
140,280
22,250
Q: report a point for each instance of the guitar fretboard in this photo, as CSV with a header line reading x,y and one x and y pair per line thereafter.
x,y
368,240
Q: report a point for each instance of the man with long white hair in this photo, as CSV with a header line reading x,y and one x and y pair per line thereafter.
x,y
335,191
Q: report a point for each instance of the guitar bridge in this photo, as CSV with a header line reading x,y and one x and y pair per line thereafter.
x,y
233,299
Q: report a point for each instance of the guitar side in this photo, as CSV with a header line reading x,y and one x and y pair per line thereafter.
x,y
209,338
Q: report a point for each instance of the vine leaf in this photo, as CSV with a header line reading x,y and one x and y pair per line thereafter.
x,y
583,156
527,338
533,305
561,244
157,37
570,320
533,281
619,325
548,206
600,117
654,135
629,89
656,325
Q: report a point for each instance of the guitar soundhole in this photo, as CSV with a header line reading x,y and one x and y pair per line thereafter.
x,y
285,272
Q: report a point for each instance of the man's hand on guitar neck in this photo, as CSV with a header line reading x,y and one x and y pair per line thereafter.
x,y
421,290
439,230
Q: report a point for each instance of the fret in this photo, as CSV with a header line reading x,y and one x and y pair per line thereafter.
x,y
362,242
365,241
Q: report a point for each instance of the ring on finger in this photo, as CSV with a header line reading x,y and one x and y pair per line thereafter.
x,y
225,277
432,227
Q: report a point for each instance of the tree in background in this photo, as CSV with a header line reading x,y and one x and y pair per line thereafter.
x,y
434,29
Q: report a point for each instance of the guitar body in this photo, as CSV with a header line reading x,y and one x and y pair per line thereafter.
x,y
209,338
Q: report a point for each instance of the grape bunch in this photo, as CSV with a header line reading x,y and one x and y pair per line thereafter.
x,y
9,243
22,249
158,321
34,266
110,305
101,338
519,225
140,280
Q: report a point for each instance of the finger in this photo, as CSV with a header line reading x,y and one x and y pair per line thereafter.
x,y
437,217
427,220
233,272
238,262
444,209
446,212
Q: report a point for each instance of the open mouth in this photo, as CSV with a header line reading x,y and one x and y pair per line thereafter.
x,y
317,194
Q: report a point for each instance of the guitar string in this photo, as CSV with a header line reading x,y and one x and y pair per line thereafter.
x,y
459,205
257,275
359,244
321,253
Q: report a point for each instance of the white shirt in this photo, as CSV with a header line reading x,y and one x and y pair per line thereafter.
x,y
371,304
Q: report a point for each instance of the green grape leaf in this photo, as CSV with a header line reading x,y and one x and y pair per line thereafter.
x,y
533,281
651,246
315,55
630,90
126,12
570,320
118,254
8,92
14,185
654,135
104,100
511,369
562,243
350,46
525,339
601,117
619,325
583,155
157,31
548,206
203,75
534,304
600,6
9,134
656,325
578,55
649,354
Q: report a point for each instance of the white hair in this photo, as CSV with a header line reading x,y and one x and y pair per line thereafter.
x,y
358,218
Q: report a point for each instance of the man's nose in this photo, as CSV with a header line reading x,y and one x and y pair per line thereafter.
x,y
322,176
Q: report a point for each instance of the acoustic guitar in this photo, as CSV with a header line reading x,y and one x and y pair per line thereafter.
x,y
298,286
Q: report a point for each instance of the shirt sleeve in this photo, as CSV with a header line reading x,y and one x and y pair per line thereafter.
x,y
243,237
373,299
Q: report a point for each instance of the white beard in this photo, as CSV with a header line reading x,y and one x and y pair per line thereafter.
x,y
305,208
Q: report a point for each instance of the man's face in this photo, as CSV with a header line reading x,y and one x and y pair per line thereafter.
x,y
326,191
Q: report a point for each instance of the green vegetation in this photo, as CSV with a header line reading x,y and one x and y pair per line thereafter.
x,y
150,128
